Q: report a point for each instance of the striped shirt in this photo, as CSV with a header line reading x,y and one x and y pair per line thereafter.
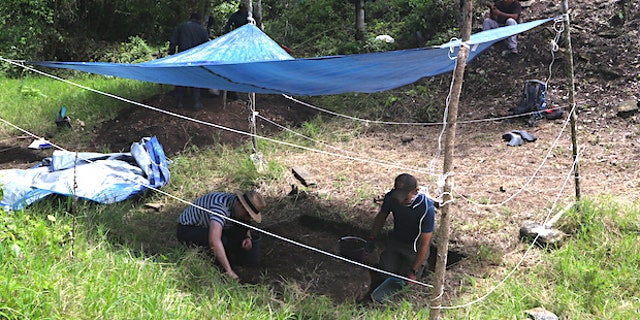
x,y
217,202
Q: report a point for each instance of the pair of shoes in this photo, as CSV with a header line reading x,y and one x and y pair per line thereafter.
x,y
514,51
517,137
198,106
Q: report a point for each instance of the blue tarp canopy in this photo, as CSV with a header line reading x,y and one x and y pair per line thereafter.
x,y
247,60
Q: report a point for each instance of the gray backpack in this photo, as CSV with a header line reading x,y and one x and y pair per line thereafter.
x,y
533,101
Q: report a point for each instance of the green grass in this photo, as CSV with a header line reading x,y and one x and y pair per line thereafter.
x,y
593,276
65,260
56,268
32,103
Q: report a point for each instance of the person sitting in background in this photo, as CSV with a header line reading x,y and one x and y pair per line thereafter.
x,y
204,224
186,36
504,13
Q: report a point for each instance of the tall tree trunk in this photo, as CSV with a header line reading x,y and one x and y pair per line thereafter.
x,y
258,14
360,25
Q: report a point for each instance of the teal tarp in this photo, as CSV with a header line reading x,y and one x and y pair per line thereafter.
x,y
247,60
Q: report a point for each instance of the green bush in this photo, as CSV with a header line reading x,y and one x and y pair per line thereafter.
x,y
327,27
134,50
26,27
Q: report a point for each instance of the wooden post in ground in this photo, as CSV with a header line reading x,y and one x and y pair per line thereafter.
x,y
224,99
572,98
252,120
449,147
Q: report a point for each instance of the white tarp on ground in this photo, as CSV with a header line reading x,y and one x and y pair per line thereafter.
x,y
103,178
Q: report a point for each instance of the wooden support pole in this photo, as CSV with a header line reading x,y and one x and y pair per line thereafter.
x,y
449,147
572,98
252,119
224,99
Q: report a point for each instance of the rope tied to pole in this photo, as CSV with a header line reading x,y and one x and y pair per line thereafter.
x,y
440,188
558,27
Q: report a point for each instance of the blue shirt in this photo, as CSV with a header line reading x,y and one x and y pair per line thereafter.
x,y
409,221
218,202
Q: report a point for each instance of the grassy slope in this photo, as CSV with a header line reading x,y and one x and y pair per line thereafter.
x,y
32,103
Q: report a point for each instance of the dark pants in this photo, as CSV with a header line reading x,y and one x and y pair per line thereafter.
x,y
231,238
182,91
396,258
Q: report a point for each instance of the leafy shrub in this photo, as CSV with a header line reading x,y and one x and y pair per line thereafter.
x,y
26,26
134,50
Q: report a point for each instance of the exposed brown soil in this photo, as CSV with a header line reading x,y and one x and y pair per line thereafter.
x,y
177,134
494,190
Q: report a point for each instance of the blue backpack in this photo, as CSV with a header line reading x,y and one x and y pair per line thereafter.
x,y
533,101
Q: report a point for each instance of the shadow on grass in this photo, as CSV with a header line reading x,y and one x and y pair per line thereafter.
x,y
304,220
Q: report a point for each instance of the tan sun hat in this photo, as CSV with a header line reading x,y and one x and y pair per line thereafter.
x,y
253,202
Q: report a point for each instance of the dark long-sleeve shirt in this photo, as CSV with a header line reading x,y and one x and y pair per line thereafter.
x,y
236,20
187,35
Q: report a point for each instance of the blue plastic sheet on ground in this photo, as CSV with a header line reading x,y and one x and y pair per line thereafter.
x,y
103,178
387,289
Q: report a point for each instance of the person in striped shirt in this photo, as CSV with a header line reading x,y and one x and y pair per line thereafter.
x,y
206,223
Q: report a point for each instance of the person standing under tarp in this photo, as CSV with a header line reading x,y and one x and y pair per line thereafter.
x,y
186,36
504,13
237,19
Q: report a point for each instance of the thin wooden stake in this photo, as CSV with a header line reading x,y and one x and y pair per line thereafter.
x,y
572,99
74,204
252,120
224,99
450,136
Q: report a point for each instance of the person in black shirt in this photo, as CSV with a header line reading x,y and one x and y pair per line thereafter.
x,y
186,36
504,13
237,19
407,248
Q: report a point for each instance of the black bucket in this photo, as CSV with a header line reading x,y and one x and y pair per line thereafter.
x,y
352,248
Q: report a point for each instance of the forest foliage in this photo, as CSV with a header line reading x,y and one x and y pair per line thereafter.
x,y
137,30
